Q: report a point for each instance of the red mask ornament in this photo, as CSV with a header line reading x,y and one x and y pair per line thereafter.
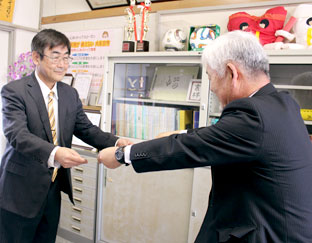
x,y
264,27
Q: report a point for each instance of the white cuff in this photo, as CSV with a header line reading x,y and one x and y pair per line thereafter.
x,y
116,142
51,161
127,151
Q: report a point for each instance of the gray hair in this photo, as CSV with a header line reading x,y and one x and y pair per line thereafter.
x,y
238,46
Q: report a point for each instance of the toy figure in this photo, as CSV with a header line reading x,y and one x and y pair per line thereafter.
x,y
303,26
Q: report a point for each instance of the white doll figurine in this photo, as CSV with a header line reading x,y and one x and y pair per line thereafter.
x,y
303,26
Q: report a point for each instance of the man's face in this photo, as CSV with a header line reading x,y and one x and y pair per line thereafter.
x,y
221,87
54,64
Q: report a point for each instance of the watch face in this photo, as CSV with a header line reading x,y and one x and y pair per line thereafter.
x,y
119,154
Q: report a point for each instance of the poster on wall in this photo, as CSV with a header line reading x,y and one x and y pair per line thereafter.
x,y
6,10
88,49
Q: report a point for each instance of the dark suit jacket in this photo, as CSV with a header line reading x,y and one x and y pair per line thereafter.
x,y
261,163
24,175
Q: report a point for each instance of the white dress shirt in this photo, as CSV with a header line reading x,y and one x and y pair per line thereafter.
x,y
45,90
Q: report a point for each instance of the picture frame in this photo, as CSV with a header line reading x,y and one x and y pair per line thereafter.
x,y
100,4
171,82
194,90
68,79
100,95
136,86
82,83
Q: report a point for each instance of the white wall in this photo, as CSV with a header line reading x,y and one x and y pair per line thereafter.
x,y
23,41
25,23
57,7
27,13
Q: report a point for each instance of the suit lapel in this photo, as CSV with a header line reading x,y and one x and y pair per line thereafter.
x,y
35,92
61,113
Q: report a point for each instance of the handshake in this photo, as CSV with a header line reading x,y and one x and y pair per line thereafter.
x,y
69,157
107,155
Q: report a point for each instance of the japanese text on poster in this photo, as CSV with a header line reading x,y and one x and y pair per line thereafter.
x,y
89,48
6,10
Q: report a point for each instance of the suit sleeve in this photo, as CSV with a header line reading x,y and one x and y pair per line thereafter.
x,y
15,127
90,133
236,138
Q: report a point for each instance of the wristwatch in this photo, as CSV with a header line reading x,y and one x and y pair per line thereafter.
x,y
120,155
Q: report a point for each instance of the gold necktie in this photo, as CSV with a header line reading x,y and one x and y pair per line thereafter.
x,y
52,124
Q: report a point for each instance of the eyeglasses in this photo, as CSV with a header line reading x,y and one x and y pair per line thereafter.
x,y
57,59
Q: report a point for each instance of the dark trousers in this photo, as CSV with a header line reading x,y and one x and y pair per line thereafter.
x,y
41,229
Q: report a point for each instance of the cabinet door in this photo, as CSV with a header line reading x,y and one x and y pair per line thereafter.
x,y
297,80
147,99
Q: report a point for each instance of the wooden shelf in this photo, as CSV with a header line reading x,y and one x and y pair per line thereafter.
x,y
165,102
92,107
296,87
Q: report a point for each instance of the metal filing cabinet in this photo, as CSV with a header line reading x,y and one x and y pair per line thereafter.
x,y
77,222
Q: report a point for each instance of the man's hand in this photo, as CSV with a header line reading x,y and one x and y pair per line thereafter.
x,y
123,142
107,157
69,157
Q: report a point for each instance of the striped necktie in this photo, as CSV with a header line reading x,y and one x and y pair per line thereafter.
x,y
52,124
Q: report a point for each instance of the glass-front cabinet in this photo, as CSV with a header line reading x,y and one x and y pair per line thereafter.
x,y
147,94
153,94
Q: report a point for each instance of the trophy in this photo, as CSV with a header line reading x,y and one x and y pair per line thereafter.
x,y
128,45
142,44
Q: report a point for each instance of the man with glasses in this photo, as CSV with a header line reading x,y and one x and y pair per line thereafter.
x,y
40,116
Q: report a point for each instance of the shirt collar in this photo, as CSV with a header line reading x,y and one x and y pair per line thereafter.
x,y
252,94
45,89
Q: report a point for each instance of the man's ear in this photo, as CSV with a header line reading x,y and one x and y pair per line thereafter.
x,y
234,73
36,57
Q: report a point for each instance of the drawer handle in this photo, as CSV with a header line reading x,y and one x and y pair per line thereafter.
x,y
77,199
78,169
75,228
77,209
76,219
77,189
78,179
